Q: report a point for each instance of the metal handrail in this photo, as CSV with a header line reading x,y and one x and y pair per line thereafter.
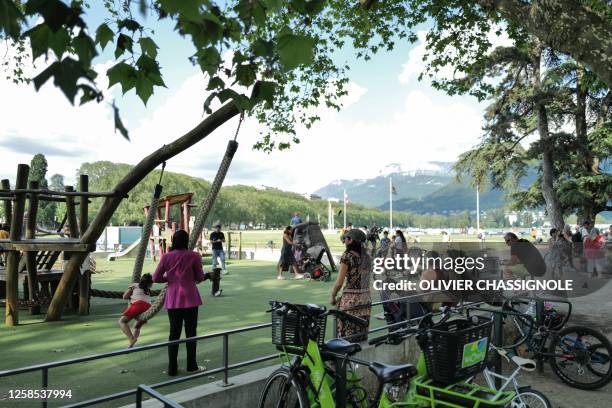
x,y
225,368
168,403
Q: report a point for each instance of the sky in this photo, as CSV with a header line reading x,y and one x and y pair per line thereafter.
x,y
387,117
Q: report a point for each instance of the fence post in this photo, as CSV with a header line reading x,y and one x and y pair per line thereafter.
x,y
225,382
539,323
138,397
498,335
45,384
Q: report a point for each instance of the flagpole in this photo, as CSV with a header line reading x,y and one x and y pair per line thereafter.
x,y
390,204
344,212
477,210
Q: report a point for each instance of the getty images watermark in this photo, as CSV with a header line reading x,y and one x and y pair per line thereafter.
x,y
483,268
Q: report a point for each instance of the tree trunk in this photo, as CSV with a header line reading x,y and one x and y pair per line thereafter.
x,y
585,212
135,176
553,206
568,26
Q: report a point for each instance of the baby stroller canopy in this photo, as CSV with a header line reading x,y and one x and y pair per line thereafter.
x,y
309,235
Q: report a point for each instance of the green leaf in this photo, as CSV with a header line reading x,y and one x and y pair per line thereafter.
x,y
10,18
144,88
128,24
66,74
119,124
148,46
123,43
294,49
273,6
263,48
263,91
259,14
42,38
55,13
209,60
84,48
215,83
123,74
104,35
189,10
246,74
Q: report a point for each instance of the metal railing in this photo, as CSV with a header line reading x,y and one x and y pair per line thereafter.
x,y
142,388
225,368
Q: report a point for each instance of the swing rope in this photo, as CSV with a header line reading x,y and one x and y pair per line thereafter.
x,y
201,217
147,229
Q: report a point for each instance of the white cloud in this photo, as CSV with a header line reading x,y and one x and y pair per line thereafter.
x,y
427,126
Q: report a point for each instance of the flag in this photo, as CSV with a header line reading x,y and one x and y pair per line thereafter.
x,y
393,189
345,197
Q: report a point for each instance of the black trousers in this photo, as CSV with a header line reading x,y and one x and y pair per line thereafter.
x,y
176,317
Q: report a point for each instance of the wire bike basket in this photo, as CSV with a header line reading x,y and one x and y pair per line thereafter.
x,y
456,349
291,328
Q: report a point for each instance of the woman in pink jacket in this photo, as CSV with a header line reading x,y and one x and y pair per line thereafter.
x,y
182,270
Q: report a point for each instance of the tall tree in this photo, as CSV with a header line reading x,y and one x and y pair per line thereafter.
x,y
38,172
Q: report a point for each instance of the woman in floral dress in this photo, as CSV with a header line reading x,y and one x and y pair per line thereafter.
x,y
354,275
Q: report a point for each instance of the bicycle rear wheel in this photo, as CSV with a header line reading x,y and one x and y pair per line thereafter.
x,y
581,357
280,393
530,398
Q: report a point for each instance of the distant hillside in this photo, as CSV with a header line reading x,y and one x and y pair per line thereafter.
x,y
429,191
454,197
246,205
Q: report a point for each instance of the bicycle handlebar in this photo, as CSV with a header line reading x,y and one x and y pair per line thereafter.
x,y
315,311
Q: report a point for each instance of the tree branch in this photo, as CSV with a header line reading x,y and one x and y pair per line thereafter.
x,y
135,176
564,25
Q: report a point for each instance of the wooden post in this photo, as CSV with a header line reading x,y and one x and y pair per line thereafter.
x,y
12,267
229,245
31,255
84,279
8,205
71,214
240,245
8,211
73,230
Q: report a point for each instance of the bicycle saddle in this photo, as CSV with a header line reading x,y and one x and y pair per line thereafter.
x,y
341,346
524,363
389,373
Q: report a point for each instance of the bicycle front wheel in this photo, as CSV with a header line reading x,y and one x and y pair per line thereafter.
x,y
580,357
283,391
530,398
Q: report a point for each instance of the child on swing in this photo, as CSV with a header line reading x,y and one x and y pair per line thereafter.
x,y
139,295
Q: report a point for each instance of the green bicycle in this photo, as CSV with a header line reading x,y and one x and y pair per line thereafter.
x,y
453,352
305,380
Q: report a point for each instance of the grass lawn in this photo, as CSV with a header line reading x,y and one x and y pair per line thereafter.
x,y
259,239
246,291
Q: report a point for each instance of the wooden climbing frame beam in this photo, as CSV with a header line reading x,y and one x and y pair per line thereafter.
x,y
30,256
12,261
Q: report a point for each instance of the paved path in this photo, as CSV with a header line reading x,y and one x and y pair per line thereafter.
x,y
594,310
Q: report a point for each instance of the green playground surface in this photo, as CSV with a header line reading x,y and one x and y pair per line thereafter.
x,y
246,292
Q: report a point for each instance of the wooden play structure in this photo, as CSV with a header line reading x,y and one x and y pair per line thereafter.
x,y
34,261
165,226
83,235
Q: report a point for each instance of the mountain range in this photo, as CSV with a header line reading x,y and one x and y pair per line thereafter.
x,y
433,189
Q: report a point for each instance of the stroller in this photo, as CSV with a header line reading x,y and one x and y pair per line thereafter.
x,y
311,266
